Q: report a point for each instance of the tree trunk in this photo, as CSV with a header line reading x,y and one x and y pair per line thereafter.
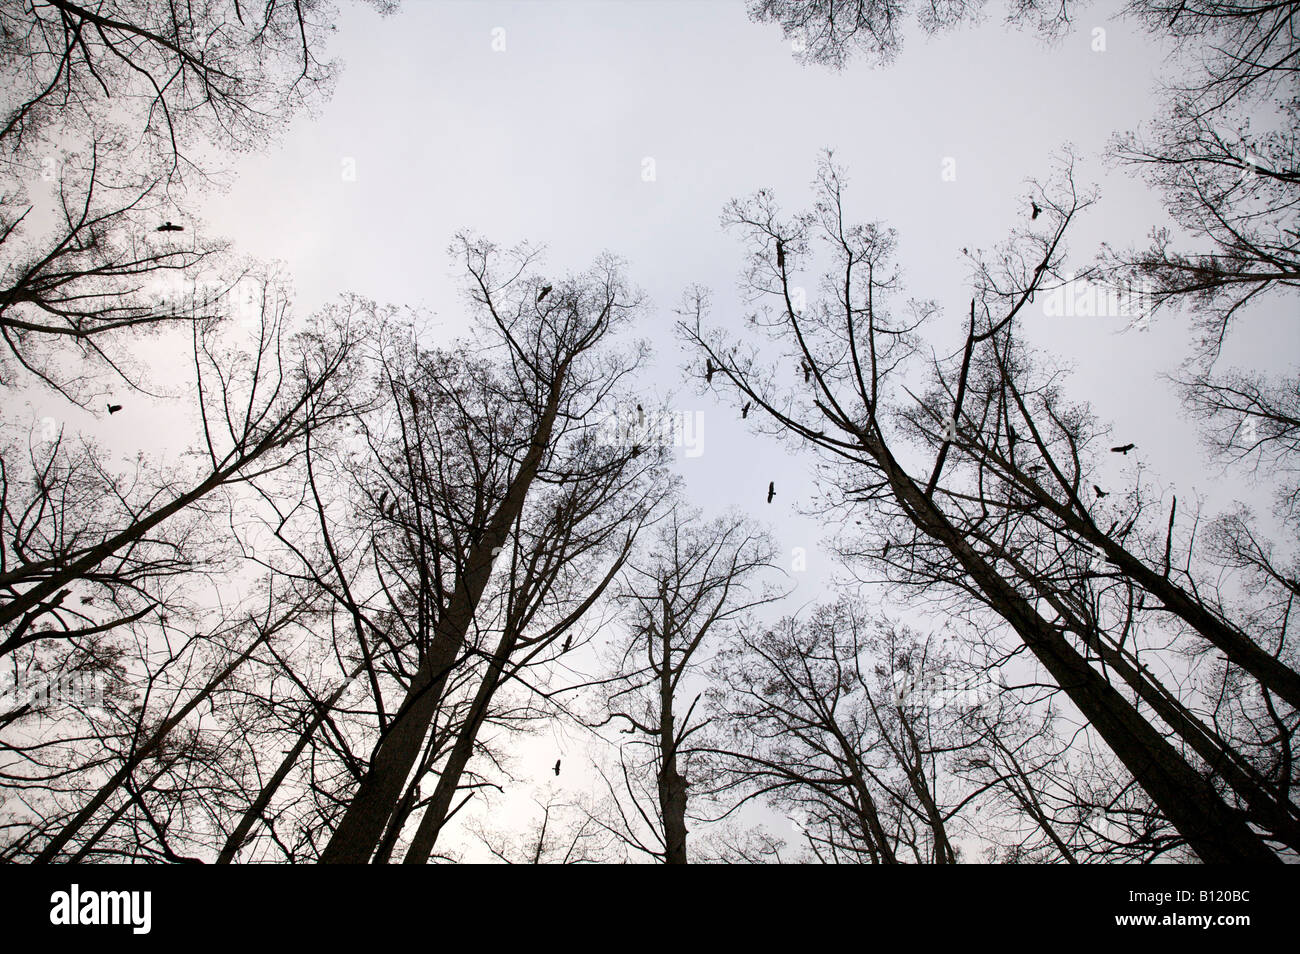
x,y
1239,648
435,813
363,823
672,787
1213,830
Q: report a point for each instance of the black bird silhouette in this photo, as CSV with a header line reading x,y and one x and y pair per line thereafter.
x,y
1012,436
568,641
557,767
803,366
640,415
546,290
415,402
1100,493
1034,210
1123,449
744,411
885,552
708,370
114,408
780,254
771,490
168,227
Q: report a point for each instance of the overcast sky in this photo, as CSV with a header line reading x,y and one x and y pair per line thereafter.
x,y
546,140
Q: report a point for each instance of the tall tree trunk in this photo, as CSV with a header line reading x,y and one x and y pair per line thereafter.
x,y
435,813
1213,830
914,767
362,825
672,787
1238,773
672,795
868,813
1239,648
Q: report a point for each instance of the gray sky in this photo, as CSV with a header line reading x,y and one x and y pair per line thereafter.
x,y
545,141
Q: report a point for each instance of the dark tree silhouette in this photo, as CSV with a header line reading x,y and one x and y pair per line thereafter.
x,y
856,345
699,583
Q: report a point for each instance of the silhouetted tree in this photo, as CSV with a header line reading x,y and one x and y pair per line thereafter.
x,y
857,346
696,584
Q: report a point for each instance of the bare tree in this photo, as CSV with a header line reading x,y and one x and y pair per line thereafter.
x,y
834,32
696,584
850,728
223,72
564,835
254,410
560,567
854,346
1223,153
162,740
552,372
1251,421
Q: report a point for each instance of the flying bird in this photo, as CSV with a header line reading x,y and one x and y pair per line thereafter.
x,y
546,290
557,768
1100,493
1034,210
1123,449
771,490
744,411
114,408
168,227
708,370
